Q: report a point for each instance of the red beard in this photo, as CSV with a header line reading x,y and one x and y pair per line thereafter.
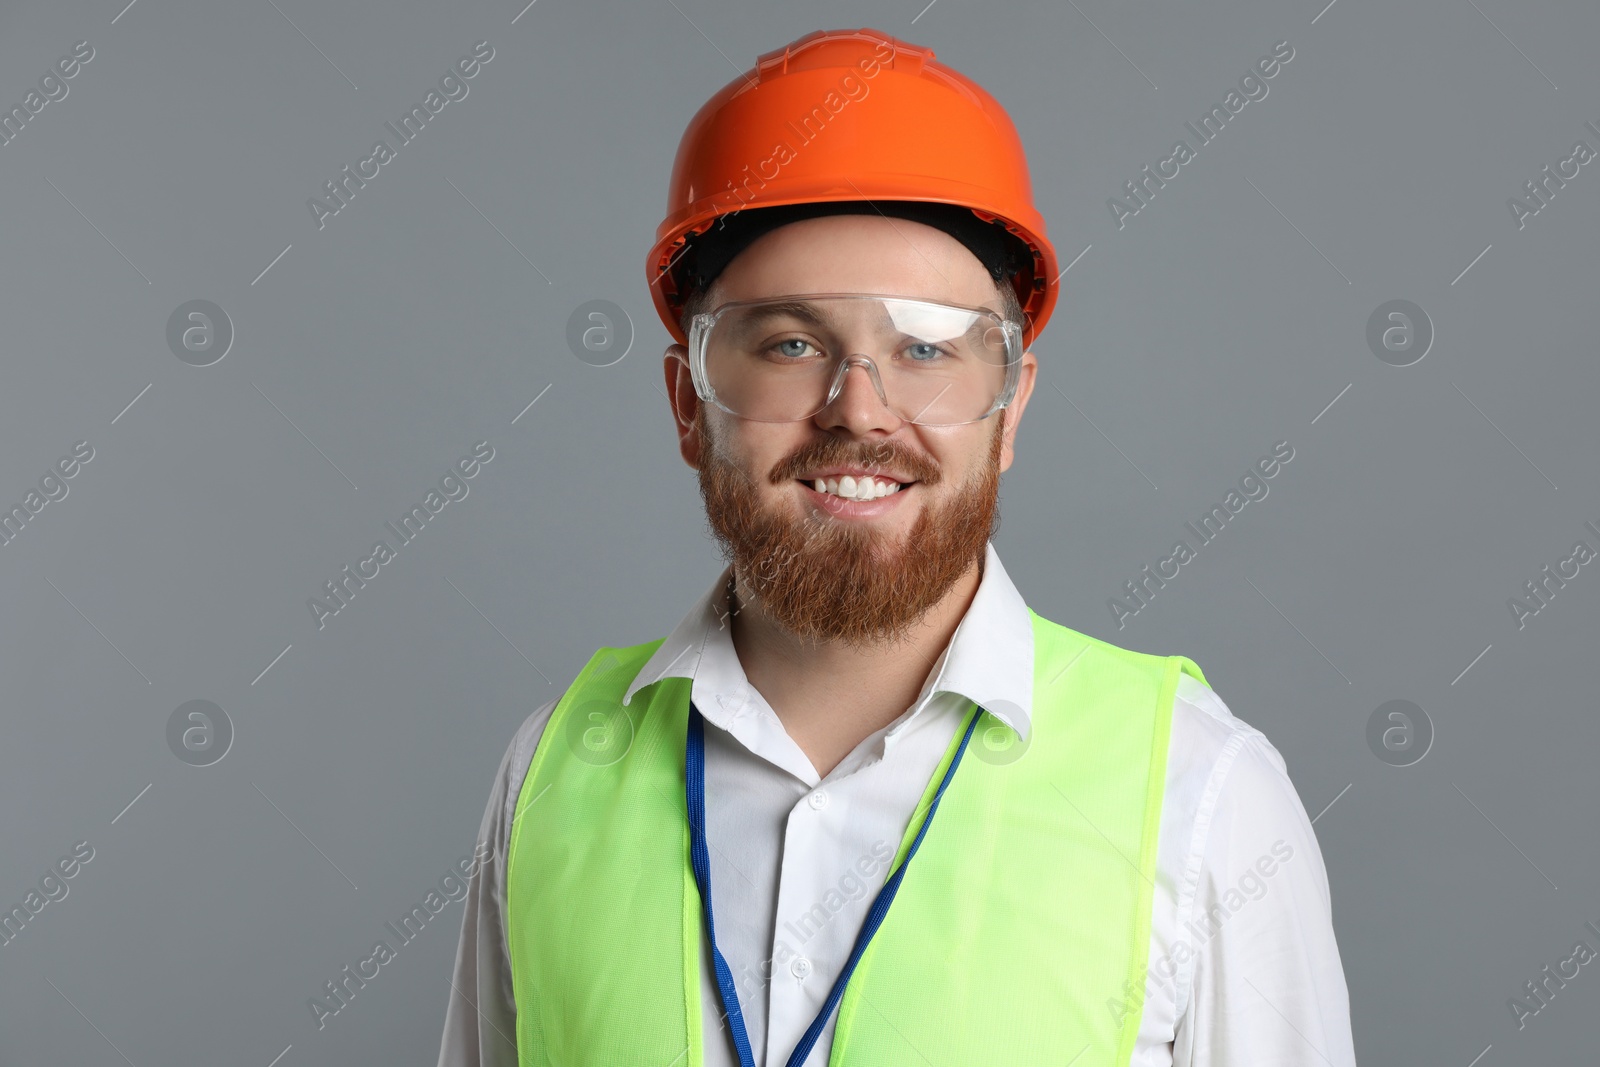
x,y
825,580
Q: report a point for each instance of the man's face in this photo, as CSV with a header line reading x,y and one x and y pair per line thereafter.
x,y
821,568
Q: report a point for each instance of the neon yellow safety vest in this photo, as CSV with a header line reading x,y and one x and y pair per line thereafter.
x,y
1020,928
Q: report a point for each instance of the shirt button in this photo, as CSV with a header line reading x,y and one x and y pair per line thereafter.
x,y
818,800
801,967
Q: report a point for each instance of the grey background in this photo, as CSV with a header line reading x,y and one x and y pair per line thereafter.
x,y
375,352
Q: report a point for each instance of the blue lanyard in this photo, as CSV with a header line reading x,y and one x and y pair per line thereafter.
x,y
695,794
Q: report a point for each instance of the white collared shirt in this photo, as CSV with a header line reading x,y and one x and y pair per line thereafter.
x,y
1243,968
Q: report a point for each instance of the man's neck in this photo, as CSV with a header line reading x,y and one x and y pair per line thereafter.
x,y
830,696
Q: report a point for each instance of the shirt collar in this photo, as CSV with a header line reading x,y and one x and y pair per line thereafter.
x,y
989,660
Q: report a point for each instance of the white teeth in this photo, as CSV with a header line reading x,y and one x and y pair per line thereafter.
x,y
851,488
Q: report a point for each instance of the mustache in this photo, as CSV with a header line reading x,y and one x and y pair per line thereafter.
x,y
883,455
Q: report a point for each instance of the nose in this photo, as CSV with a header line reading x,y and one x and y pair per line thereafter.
x,y
857,402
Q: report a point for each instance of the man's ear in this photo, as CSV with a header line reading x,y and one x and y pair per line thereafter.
x,y
1013,411
685,403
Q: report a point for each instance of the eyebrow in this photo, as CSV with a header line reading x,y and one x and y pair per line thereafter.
x,y
799,309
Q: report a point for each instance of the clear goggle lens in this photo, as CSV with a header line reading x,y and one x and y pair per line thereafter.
x,y
786,358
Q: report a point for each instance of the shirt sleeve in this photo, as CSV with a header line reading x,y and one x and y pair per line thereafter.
x,y
480,1023
1267,983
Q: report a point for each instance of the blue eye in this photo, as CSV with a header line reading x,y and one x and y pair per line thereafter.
x,y
922,352
792,348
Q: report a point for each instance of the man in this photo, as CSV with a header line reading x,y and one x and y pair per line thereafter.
x,y
863,805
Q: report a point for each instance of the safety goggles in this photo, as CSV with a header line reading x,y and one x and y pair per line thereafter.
x,y
783,359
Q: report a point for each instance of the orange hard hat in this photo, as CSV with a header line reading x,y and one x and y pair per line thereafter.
x,y
851,116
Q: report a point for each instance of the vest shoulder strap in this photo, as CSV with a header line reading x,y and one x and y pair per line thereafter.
x,y
1054,642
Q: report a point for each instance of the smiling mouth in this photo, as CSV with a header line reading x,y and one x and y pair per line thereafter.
x,y
857,489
